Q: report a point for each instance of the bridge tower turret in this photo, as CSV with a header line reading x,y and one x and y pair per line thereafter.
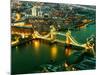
x,y
53,32
68,41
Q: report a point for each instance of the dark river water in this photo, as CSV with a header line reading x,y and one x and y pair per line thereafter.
x,y
28,57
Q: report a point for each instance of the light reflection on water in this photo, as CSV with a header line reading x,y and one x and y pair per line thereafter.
x,y
68,51
54,52
17,48
37,47
36,44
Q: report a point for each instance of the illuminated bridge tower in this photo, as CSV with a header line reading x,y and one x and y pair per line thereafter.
x,y
68,41
53,32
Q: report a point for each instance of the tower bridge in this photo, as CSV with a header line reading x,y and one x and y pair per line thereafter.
x,y
69,38
51,36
